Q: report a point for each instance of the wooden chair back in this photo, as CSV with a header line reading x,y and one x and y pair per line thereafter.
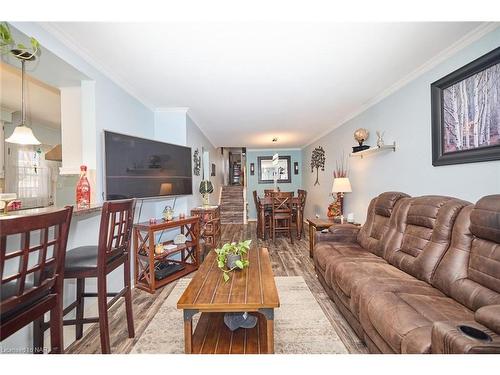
x,y
35,268
117,220
282,202
269,192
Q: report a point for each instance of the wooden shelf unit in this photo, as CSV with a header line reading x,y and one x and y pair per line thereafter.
x,y
188,254
374,150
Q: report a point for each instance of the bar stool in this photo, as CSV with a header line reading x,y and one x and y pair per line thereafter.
x,y
32,275
98,261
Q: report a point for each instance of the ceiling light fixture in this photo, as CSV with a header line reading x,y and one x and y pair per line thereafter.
x,y
275,139
22,134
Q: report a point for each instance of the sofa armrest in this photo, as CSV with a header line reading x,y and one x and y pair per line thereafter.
x,y
339,233
489,316
448,339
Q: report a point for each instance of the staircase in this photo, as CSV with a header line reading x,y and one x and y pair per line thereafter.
x,y
232,205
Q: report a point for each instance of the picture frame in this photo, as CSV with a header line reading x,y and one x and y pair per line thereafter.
x,y
465,120
266,168
213,170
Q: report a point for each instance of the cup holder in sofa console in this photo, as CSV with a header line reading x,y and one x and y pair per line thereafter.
x,y
474,333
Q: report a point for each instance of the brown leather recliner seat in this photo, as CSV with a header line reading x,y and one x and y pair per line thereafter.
x,y
401,304
346,241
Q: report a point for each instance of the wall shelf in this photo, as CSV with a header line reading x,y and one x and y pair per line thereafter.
x,y
374,150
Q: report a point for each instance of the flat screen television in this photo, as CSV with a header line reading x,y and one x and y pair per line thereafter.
x,y
142,168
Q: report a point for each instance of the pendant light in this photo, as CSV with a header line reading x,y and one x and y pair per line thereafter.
x,y
23,135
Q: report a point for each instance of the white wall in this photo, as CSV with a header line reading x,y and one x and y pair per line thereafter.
x,y
405,116
197,140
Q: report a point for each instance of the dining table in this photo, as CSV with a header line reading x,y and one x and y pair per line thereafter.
x,y
267,203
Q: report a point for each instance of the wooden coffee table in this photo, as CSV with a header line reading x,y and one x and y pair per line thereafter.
x,y
252,290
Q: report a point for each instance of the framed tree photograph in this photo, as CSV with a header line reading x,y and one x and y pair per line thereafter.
x,y
466,113
267,169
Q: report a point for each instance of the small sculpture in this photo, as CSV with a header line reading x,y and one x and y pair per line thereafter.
x,y
380,139
168,213
361,135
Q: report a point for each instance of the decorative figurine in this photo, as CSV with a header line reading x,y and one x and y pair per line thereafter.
x,y
168,213
380,139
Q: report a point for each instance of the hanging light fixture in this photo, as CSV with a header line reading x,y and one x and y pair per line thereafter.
x,y
23,135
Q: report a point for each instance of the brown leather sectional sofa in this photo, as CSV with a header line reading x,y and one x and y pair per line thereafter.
x,y
417,270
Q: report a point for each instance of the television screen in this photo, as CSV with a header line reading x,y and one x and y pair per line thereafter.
x,y
142,168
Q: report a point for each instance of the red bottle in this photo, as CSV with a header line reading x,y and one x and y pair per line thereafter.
x,y
83,189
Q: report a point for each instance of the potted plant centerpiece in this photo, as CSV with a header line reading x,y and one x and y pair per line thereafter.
x,y
231,257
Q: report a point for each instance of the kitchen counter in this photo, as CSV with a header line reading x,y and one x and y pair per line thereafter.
x,y
77,212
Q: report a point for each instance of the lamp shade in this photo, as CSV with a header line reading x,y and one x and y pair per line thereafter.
x,y
23,135
341,185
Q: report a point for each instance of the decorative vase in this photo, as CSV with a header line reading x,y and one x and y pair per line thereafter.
x,y
168,213
83,189
231,261
334,207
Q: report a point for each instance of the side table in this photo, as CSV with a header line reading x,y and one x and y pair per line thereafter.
x,y
185,257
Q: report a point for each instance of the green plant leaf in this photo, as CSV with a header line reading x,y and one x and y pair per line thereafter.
x,y
225,276
5,35
239,264
21,46
34,43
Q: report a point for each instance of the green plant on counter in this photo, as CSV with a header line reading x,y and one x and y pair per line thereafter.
x,y
231,256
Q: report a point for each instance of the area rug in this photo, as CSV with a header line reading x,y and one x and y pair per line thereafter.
x,y
301,327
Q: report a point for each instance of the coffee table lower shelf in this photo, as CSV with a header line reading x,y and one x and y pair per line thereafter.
x,y
211,336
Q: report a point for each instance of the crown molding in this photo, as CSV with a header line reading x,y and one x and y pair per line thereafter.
x,y
275,149
73,45
460,44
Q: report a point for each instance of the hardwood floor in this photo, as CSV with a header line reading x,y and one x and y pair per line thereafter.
x,y
286,259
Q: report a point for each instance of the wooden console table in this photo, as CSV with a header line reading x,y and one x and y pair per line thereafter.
x,y
186,255
209,226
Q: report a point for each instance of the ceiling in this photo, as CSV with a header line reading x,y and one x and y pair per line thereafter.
x,y
245,83
43,102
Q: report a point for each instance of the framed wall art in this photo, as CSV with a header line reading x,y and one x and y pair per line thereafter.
x,y
466,113
266,169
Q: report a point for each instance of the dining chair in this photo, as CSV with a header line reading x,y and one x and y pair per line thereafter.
x,y
299,212
282,213
269,192
32,273
112,251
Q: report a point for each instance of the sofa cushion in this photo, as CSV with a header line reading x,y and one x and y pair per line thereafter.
x,y
324,250
362,292
470,269
405,320
347,273
377,221
418,240
485,218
